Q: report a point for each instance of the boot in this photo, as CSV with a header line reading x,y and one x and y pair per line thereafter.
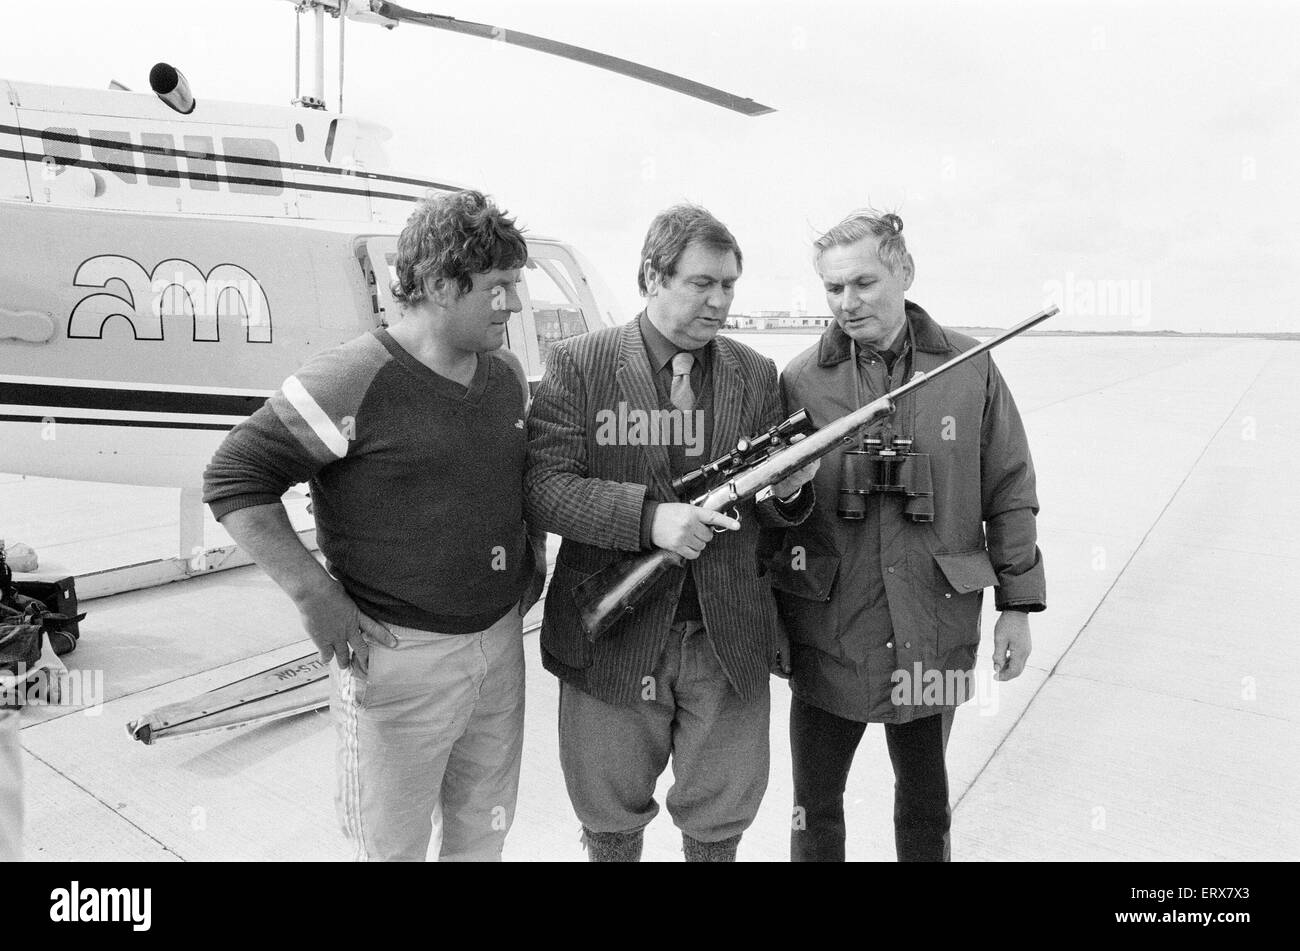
x,y
697,851
612,846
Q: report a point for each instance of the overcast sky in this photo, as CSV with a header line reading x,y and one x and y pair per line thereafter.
x,y
1139,157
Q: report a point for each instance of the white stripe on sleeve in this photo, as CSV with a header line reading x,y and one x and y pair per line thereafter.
x,y
314,416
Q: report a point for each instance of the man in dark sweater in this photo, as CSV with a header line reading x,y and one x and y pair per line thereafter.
x,y
412,439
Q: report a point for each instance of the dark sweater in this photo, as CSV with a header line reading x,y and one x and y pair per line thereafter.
x,y
416,482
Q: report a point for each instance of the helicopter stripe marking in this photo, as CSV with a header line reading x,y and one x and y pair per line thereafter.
x,y
132,400
137,385
204,177
219,157
59,412
146,423
316,418
94,399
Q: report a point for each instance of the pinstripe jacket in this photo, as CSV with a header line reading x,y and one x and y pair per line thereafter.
x,y
591,493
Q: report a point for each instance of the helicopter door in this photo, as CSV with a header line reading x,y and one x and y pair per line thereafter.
x,y
557,303
377,261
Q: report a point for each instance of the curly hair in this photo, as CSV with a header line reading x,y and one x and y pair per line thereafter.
x,y
672,232
454,236
885,227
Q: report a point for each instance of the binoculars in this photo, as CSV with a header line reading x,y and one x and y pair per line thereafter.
x,y
886,465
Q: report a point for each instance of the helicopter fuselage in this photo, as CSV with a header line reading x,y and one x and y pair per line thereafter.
x,y
161,274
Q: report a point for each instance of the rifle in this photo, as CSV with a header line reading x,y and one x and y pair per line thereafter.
x,y
749,472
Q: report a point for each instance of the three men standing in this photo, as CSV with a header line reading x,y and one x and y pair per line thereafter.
x,y
881,592
413,440
685,676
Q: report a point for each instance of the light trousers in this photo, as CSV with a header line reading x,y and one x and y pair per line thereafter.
x,y
429,742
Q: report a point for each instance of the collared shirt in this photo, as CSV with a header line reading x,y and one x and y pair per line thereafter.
x,y
899,346
660,351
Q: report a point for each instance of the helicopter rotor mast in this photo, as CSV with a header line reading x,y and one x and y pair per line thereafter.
x,y
389,15
316,98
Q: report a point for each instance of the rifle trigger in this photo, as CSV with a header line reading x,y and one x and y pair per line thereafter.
x,y
734,513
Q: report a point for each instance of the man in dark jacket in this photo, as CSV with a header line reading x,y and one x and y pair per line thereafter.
x,y
881,592
619,414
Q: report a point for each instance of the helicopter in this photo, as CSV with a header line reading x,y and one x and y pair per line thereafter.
x,y
168,260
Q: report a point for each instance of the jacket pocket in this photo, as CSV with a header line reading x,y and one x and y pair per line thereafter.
x,y
802,585
967,571
563,636
805,576
959,597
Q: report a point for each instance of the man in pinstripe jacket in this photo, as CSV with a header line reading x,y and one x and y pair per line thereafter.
x,y
619,414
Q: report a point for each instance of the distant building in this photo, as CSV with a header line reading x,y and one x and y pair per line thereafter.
x,y
776,320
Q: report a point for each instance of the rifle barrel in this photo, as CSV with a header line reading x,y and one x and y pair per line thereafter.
x,y
919,378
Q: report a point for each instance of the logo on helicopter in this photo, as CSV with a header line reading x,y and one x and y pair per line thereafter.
x,y
175,288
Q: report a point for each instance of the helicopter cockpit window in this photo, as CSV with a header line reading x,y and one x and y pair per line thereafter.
x,y
557,311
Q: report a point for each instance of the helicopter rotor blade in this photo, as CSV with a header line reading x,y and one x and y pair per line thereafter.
x,y
541,44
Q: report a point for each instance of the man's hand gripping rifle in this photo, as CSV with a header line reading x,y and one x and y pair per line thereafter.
x,y
753,467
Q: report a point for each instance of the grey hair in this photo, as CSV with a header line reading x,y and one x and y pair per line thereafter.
x,y
885,227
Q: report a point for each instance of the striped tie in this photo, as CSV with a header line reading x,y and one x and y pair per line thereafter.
x,y
681,394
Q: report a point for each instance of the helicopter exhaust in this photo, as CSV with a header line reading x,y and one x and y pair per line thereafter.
x,y
172,88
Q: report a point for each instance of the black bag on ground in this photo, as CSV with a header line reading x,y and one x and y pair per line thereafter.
x,y
20,649
20,640
19,610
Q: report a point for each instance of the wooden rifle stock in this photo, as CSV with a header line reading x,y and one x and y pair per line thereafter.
x,y
614,591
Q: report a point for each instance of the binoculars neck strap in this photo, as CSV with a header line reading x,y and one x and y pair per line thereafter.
x,y
906,405
857,388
